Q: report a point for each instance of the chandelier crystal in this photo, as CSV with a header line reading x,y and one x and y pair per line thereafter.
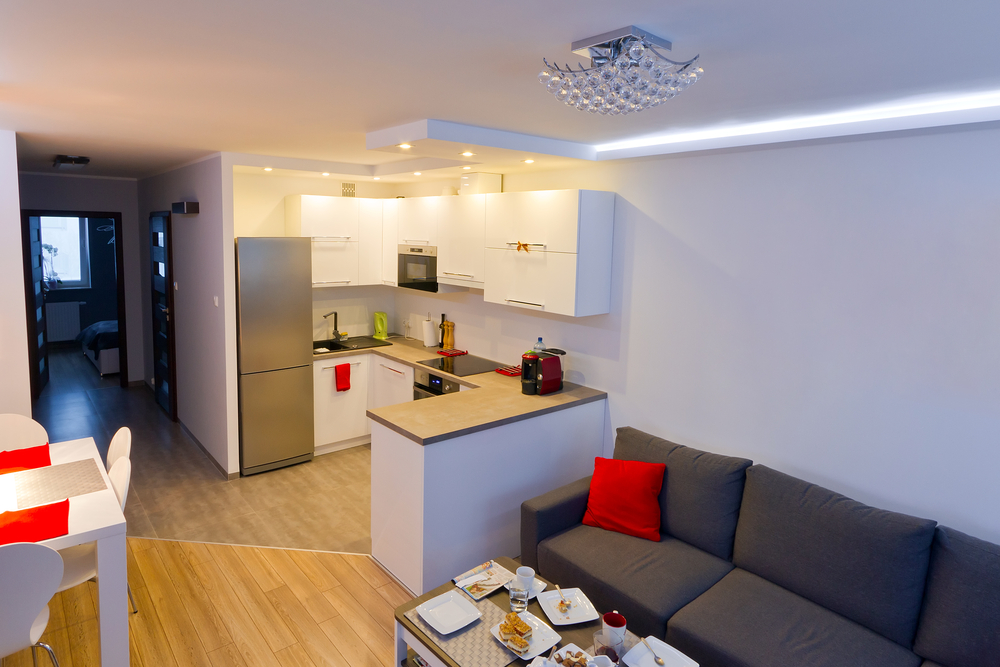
x,y
627,74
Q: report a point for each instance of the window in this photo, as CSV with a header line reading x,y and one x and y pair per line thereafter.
x,y
65,252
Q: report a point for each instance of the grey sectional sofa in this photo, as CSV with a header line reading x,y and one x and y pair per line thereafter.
x,y
757,568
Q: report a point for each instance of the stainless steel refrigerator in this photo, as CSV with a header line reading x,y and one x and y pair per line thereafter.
x,y
274,339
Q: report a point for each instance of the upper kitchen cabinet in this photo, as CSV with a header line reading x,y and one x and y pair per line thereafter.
x,y
461,247
550,250
335,262
390,250
417,221
370,250
320,216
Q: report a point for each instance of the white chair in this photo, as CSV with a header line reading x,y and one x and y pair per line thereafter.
x,y
80,562
121,445
18,432
29,574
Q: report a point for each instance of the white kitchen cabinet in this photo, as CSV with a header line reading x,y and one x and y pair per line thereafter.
x,y
418,220
334,262
390,247
461,240
391,382
340,415
322,216
370,249
543,281
547,220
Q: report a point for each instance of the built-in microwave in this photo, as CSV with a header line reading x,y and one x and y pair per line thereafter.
x,y
418,267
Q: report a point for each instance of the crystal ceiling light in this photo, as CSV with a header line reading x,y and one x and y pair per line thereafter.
x,y
626,74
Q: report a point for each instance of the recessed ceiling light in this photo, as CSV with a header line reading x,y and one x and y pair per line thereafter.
x,y
405,146
416,173
326,173
464,177
466,167
467,154
267,169
528,161
377,178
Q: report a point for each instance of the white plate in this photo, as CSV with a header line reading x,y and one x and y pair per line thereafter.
x,y
537,586
448,612
542,636
639,656
539,661
582,610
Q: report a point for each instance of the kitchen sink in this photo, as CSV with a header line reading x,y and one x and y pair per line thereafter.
x,y
352,343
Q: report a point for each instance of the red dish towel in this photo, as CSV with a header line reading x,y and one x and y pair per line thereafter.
x,y
35,523
25,459
343,373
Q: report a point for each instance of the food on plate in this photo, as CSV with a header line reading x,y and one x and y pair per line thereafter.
x,y
517,645
567,659
564,606
520,627
506,631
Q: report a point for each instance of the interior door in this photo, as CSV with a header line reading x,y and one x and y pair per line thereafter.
x,y
164,361
35,290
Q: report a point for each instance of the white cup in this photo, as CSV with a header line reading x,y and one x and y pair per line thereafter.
x,y
600,661
614,627
526,578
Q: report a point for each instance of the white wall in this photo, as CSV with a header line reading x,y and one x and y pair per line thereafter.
x,y
200,245
829,310
105,195
356,308
15,389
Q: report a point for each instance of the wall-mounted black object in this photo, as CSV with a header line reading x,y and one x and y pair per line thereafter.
x,y
184,207
71,162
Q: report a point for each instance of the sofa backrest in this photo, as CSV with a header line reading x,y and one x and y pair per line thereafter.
x,y
701,493
861,562
960,621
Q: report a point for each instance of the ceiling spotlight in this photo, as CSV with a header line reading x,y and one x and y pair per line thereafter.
x,y
466,167
467,154
326,173
267,168
626,74
416,173
377,178
405,146
528,161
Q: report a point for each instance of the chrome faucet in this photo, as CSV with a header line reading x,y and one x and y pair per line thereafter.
x,y
334,330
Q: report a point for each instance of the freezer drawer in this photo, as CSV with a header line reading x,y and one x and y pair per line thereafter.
x,y
276,419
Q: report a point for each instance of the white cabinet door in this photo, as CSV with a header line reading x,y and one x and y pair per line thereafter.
x,y
544,281
418,221
392,382
334,263
340,415
370,243
390,242
461,246
322,216
546,220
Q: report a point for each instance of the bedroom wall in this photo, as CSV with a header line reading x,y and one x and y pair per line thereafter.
x,y
63,192
15,390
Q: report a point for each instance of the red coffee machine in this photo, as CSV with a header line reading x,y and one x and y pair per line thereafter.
x,y
548,378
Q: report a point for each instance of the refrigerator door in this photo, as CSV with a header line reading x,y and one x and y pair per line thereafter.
x,y
273,303
276,419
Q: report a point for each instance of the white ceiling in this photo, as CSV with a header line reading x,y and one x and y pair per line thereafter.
x,y
142,86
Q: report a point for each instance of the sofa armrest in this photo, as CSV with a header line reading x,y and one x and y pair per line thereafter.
x,y
549,514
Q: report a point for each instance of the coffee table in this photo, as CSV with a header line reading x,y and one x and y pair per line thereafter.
x,y
411,640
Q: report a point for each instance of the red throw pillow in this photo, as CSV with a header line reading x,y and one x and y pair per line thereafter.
x,y
624,497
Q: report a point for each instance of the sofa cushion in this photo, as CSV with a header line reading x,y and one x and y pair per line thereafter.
x,y
700,499
864,563
646,581
746,621
623,497
960,622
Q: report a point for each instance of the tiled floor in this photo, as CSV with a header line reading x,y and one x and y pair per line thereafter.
x,y
177,493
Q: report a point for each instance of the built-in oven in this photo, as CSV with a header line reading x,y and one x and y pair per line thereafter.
x,y
418,267
428,385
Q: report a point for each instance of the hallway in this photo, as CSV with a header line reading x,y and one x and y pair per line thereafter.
x,y
177,492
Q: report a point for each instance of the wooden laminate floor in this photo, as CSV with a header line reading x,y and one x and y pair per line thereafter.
x,y
222,606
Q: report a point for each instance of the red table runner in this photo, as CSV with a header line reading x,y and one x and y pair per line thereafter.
x,y
28,458
35,523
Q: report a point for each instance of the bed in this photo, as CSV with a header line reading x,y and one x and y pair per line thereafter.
x,y
100,345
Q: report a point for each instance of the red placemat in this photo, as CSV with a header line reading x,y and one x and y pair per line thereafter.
x,y
28,458
35,523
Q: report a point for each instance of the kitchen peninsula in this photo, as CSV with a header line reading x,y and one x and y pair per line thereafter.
x,y
449,473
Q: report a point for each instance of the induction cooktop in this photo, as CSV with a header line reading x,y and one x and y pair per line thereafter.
x,y
464,365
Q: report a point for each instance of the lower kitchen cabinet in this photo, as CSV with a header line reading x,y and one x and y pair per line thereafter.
x,y
392,383
340,415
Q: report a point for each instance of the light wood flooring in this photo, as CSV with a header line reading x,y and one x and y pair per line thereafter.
x,y
222,606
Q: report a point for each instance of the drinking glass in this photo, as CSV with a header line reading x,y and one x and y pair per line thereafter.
x,y
609,646
518,596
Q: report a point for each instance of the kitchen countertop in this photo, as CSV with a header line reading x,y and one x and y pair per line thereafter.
x,y
494,399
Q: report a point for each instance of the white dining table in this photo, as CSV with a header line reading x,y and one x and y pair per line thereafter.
x,y
97,517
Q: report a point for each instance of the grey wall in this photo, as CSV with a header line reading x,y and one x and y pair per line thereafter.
x,y
112,195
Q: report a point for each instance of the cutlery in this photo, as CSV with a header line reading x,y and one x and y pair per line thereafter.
x,y
560,593
657,658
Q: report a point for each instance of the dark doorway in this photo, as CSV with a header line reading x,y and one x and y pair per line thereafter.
x,y
97,275
162,269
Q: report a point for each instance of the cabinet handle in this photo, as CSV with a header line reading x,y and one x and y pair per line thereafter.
x,y
526,303
464,275
424,241
392,369
330,368
332,282
533,245
332,238
388,282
